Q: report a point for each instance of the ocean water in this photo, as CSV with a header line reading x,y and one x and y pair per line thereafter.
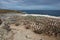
x,y
43,12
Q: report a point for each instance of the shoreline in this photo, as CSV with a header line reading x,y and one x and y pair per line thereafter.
x,y
49,16
43,15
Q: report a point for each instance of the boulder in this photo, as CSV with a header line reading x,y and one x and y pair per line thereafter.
x,y
0,21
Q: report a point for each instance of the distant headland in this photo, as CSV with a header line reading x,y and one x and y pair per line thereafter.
x,y
9,11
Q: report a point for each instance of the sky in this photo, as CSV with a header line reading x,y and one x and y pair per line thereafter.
x,y
30,4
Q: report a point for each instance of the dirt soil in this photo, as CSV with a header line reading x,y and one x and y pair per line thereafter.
x,y
21,33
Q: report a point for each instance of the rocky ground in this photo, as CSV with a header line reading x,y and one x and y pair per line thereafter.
x,y
15,27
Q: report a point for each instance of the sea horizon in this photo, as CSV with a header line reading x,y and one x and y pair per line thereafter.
x,y
43,12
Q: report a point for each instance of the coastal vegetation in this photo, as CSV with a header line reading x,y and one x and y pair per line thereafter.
x,y
9,11
37,24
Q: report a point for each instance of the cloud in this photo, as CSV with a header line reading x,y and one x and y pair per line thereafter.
x,y
41,2
30,4
38,7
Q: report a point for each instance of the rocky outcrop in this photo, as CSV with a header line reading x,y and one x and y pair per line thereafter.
x,y
0,21
37,25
